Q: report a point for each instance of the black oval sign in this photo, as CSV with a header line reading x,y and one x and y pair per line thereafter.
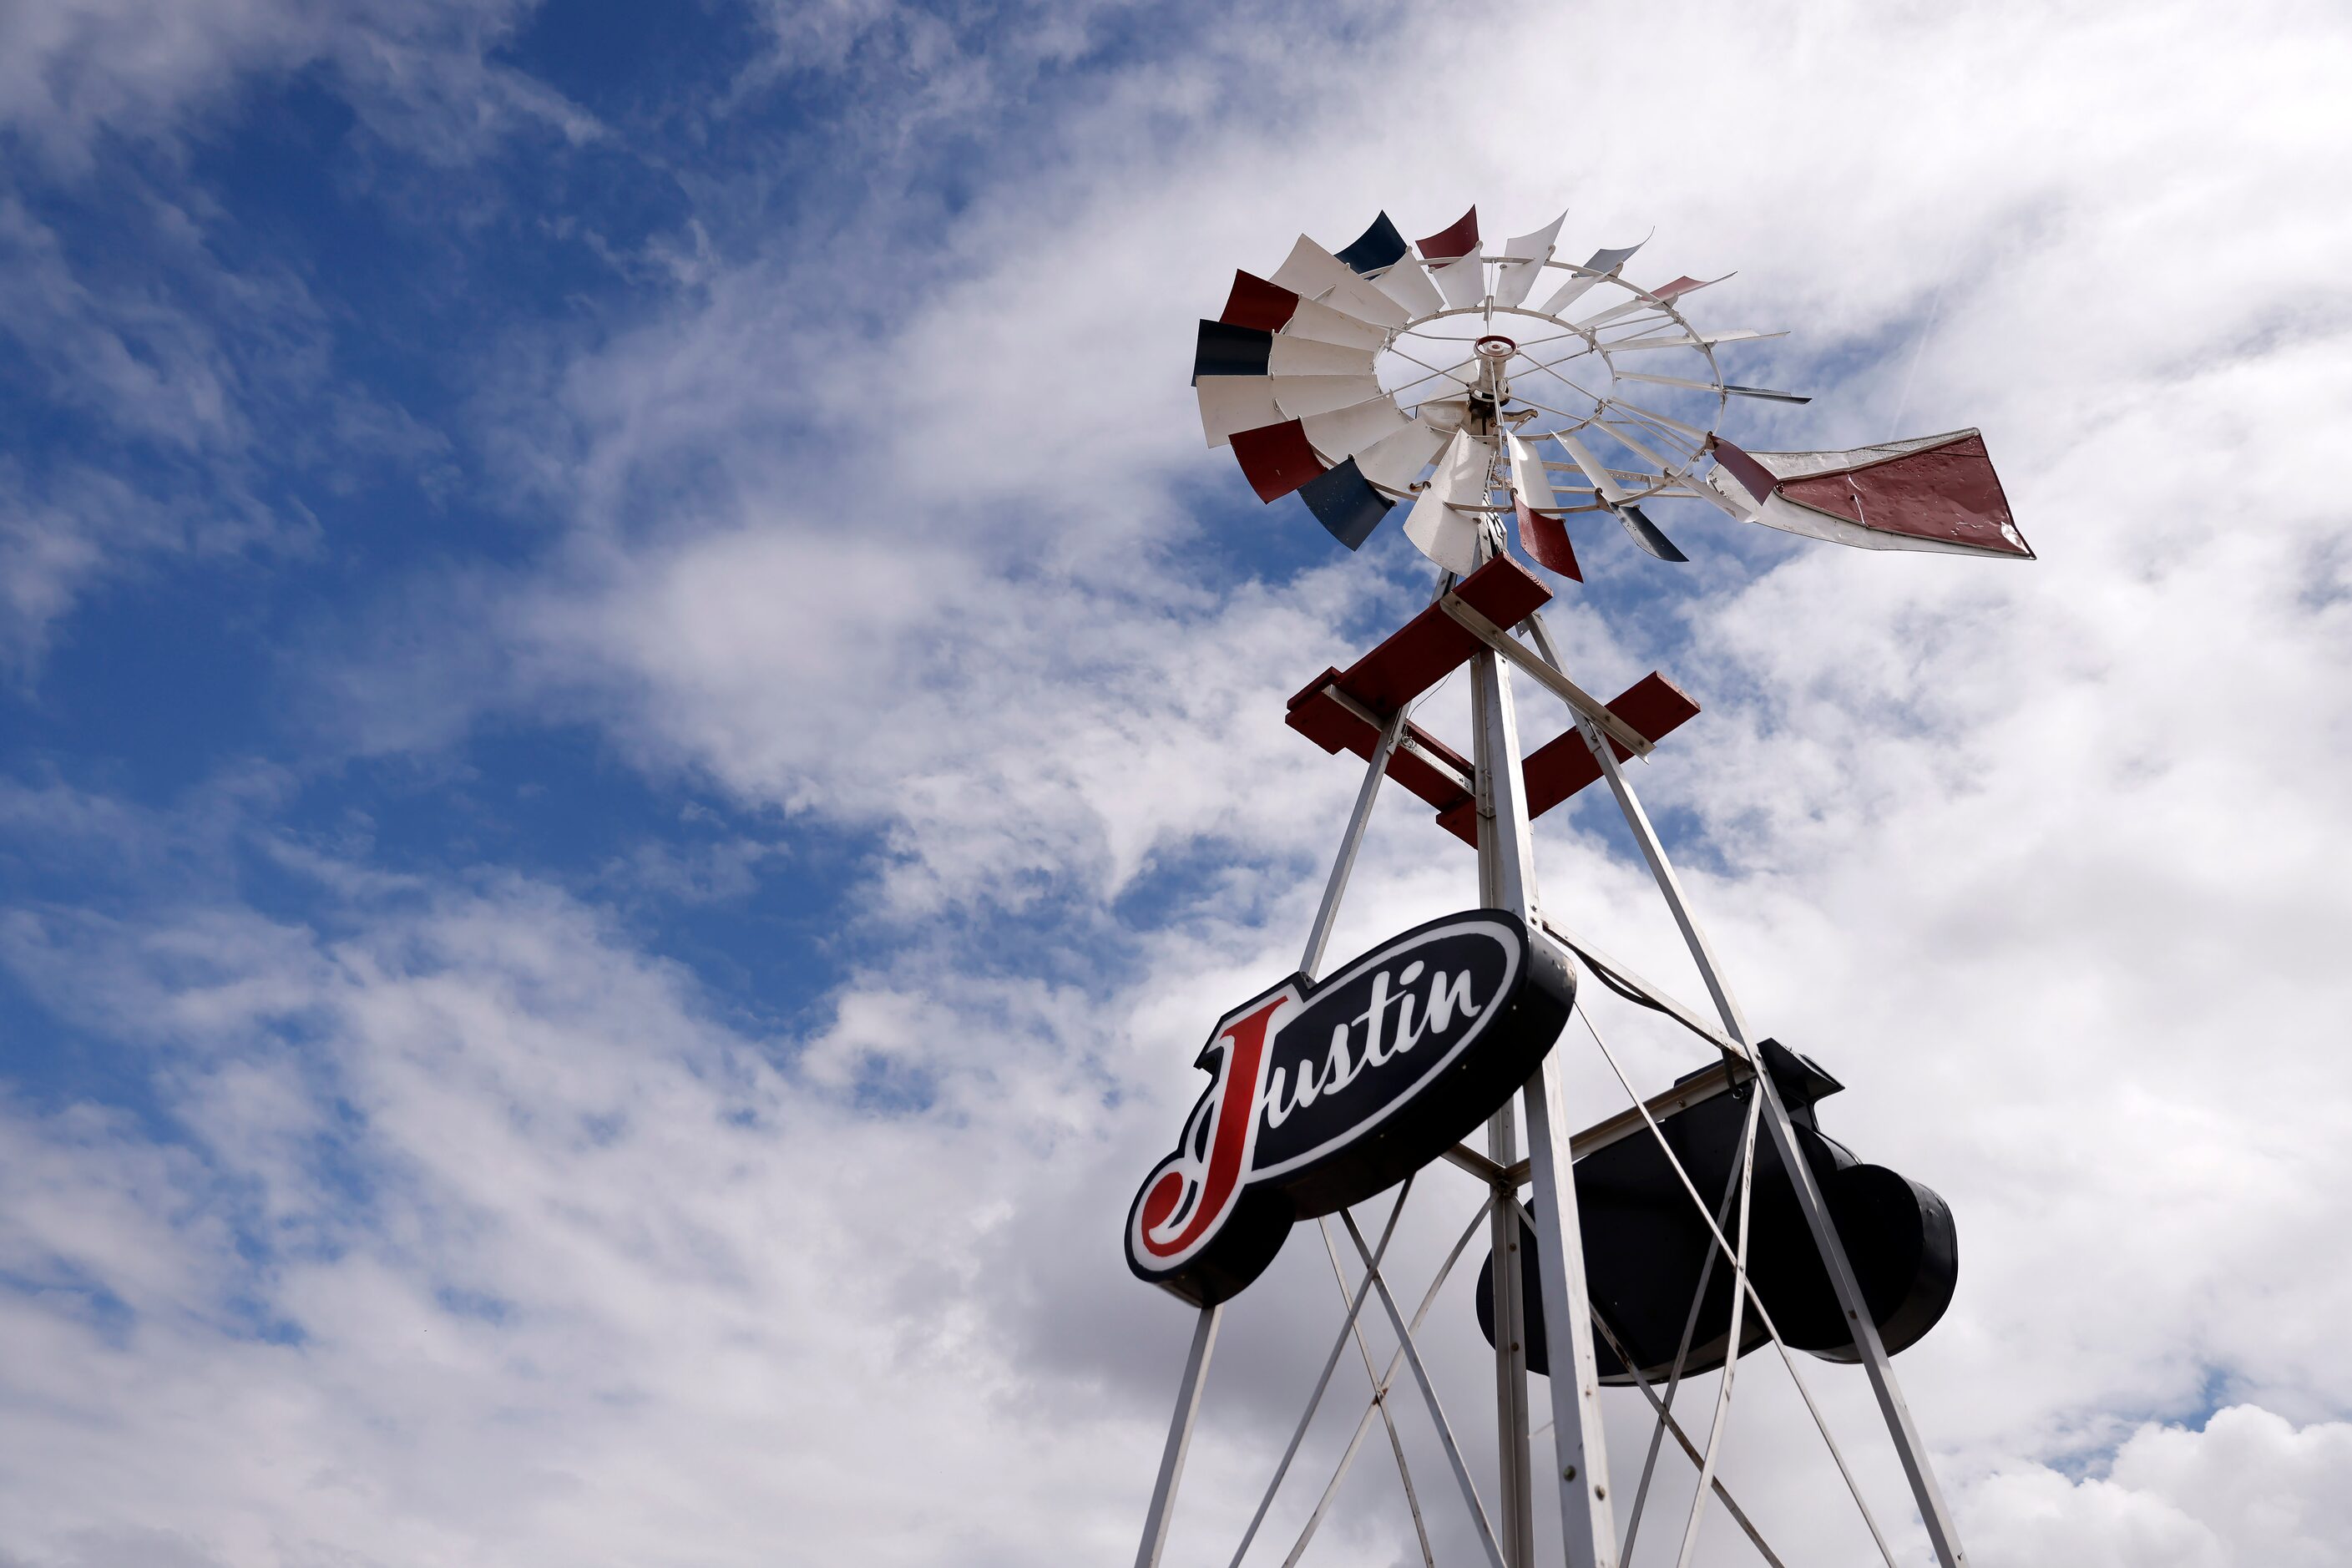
x,y
1325,1092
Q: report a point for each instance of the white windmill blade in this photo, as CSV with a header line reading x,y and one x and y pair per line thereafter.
x,y
1463,283
1346,432
1300,395
1305,356
1691,339
1407,282
1529,480
1446,413
1733,389
1314,273
1394,461
1437,526
1313,320
1645,532
1665,293
1605,264
1541,532
1234,402
1929,493
1523,259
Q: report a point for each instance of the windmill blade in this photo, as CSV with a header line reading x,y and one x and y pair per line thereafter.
x,y
1928,492
1394,461
1316,320
1300,395
1378,246
1463,283
1446,413
1407,282
1275,458
1646,533
1436,525
1231,403
1605,264
1224,348
1604,483
1305,356
1691,340
1254,302
1457,240
1523,258
1345,504
1540,529
1344,432
1711,387
1667,293
1649,415
1529,480
1314,273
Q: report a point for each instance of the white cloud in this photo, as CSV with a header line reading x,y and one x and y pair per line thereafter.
x,y
2047,861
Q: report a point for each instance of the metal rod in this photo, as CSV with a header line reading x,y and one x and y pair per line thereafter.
x,y
1428,1392
1372,1380
1909,1447
1658,997
1504,881
1330,1362
1675,1376
1579,1442
1407,743
1350,842
1763,1313
1666,1423
1179,1437
1731,1345
1480,1166
1578,700
1379,1391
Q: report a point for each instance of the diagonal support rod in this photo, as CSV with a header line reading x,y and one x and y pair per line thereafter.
x,y
1731,1351
1331,1363
1666,1423
1379,1400
1673,1377
1380,1389
1909,1447
1179,1437
1428,1392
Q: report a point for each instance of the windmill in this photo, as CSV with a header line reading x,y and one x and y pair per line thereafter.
x,y
1498,396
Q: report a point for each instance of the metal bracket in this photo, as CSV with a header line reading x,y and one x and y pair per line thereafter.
x,y
1544,675
1406,741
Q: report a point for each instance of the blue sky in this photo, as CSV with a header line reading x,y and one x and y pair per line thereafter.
x,y
639,739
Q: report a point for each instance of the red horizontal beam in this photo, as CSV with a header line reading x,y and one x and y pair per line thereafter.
x,y
1652,706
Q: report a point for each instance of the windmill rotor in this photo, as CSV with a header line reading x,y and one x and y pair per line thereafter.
x,y
1473,388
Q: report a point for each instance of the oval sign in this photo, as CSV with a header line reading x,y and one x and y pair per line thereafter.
x,y
1325,1092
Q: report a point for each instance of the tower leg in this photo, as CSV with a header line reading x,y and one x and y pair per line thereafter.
x,y
1912,1452
1580,1466
1179,1437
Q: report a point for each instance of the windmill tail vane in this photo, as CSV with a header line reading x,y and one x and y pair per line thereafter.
x,y
1497,396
